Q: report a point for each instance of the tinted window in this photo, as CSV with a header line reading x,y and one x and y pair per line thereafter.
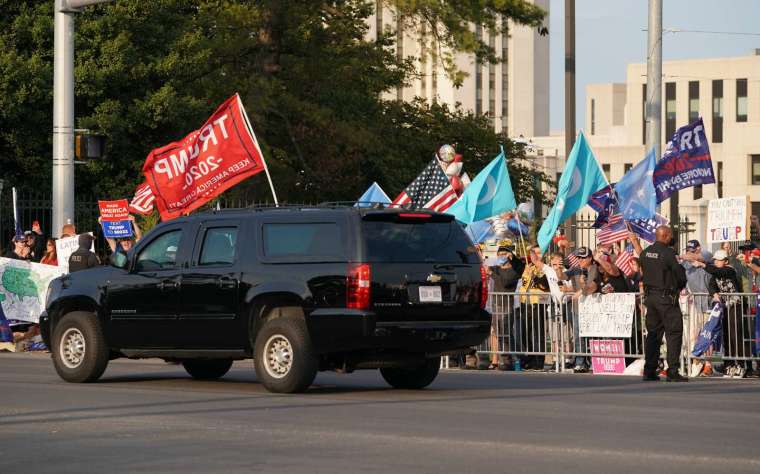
x,y
160,253
219,246
308,239
443,242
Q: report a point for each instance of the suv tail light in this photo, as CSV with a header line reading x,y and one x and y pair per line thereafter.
x,y
358,286
483,287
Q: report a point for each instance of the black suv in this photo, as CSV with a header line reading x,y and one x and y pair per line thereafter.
x,y
296,289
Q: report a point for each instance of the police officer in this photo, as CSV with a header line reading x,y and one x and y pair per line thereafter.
x,y
663,280
83,258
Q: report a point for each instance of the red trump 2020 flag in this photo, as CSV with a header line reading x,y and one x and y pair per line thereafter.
x,y
186,174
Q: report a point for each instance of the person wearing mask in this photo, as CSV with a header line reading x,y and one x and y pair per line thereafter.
x,y
664,278
18,249
724,281
505,275
83,258
533,309
50,257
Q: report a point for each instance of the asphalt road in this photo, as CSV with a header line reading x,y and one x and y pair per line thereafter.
x,y
147,416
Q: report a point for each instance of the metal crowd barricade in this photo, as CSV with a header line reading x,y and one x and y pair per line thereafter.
x,y
534,326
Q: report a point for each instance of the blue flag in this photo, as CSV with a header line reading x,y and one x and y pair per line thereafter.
x,y
635,191
373,194
581,178
686,161
480,231
488,195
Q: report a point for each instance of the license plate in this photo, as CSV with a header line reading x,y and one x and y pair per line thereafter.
x,y
430,294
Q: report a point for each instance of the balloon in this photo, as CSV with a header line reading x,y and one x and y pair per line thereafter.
x,y
446,153
525,211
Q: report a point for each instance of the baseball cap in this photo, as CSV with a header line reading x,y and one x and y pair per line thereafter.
x,y
583,252
692,245
506,248
720,254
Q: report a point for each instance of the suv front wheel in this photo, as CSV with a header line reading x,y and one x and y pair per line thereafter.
x,y
285,362
415,377
80,353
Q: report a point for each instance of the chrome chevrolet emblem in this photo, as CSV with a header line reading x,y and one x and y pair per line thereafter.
x,y
433,278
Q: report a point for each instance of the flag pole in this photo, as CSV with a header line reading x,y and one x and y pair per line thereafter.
x,y
519,230
16,225
256,142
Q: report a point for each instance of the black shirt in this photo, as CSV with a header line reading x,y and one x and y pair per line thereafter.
x,y
82,259
661,269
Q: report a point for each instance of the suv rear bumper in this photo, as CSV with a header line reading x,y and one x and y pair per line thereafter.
x,y
342,330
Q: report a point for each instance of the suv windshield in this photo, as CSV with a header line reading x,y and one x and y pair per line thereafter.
x,y
439,242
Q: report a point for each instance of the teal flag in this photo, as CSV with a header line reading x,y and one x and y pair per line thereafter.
x,y
488,195
581,178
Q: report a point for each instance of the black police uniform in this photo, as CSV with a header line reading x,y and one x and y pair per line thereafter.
x,y
82,259
663,279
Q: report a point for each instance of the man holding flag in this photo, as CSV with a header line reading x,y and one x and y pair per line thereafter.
x,y
581,178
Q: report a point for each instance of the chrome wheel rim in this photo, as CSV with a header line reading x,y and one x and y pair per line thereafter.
x,y
278,356
72,348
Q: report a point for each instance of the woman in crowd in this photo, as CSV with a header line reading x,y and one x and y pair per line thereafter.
x,y
50,257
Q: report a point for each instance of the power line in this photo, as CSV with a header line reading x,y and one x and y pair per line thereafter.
x,y
708,32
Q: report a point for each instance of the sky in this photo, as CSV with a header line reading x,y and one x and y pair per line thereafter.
x,y
609,35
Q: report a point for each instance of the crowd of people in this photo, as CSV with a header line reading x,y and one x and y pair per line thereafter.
x,y
33,246
525,287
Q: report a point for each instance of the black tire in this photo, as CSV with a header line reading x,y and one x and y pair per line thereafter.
x,y
80,352
412,378
296,367
207,369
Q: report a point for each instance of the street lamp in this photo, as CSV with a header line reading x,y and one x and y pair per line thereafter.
x,y
63,111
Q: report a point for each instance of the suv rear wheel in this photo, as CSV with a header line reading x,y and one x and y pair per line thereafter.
x,y
80,353
207,369
414,377
285,361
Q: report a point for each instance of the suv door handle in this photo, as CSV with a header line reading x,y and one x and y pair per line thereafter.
x,y
226,283
168,285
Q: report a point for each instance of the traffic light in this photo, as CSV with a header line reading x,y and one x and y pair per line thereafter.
x,y
89,146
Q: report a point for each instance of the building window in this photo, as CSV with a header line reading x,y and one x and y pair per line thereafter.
x,y
491,81
504,77
717,111
693,101
478,77
423,61
755,169
644,114
593,116
670,109
399,50
720,179
606,170
741,100
378,19
697,192
627,167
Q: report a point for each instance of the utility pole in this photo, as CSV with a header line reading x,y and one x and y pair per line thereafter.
x,y
63,111
570,93
654,93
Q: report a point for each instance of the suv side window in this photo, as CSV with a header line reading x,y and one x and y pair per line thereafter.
x,y
161,253
313,239
219,246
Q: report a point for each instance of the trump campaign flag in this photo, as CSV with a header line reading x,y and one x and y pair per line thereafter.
x,y
581,178
686,162
186,174
635,191
142,202
488,195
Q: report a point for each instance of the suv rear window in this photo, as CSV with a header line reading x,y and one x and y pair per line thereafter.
x,y
443,242
303,239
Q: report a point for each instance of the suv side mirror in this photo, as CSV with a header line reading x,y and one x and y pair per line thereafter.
x,y
118,260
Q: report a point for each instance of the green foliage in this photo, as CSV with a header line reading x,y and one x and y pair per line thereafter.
x,y
147,73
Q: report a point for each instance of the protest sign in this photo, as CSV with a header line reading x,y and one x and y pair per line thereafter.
x,y
609,315
686,162
728,219
607,365
113,218
65,247
186,174
23,286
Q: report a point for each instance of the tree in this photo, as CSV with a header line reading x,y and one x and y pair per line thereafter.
x,y
147,73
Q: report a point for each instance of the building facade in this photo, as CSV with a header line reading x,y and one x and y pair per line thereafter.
x,y
725,92
513,93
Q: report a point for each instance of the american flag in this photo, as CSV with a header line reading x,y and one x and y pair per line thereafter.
x,y
142,202
624,259
573,261
430,190
614,231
